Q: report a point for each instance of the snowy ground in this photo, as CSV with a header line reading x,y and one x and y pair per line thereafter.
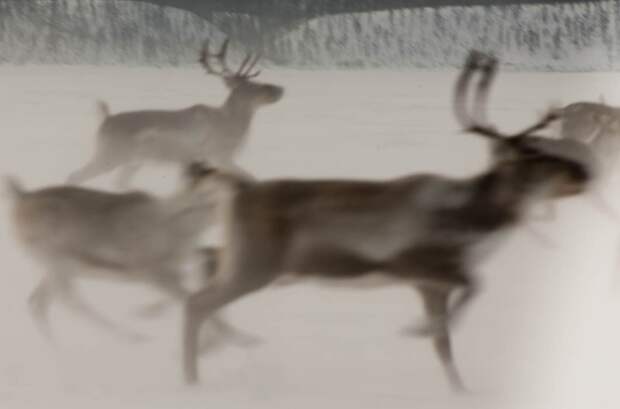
x,y
541,335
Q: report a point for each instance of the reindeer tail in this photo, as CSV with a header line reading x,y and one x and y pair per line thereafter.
x,y
13,188
103,111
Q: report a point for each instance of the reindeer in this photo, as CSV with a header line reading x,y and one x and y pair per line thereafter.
x,y
423,230
595,124
193,134
124,237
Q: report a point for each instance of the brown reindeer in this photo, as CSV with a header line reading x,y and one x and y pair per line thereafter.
x,y
423,230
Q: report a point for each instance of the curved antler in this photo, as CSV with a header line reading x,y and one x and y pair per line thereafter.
x,y
552,114
243,73
476,122
206,55
489,70
246,72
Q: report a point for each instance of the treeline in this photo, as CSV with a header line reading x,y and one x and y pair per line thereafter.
x,y
558,37
555,37
99,32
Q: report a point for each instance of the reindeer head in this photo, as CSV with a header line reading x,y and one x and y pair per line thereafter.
x,y
555,167
243,89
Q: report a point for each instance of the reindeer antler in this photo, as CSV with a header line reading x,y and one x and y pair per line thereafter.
x,y
245,72
487,66
553,114
206,55
245,69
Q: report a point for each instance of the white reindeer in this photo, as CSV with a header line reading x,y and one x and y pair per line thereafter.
x,y
422,230
125,237
596,124
195,134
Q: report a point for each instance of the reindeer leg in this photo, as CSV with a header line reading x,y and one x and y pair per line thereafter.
x,y
230,333
211,259
436,322
39,301
166,281
204,303
466,294
217,330
199,308
210,256
75,302
436,305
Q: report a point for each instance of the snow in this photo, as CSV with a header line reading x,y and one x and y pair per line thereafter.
x,y
542,333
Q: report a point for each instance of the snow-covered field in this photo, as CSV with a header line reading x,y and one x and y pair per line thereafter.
x,y
542,334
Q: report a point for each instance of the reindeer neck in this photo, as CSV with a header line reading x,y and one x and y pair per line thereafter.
x,y
496,201
239,107
504,189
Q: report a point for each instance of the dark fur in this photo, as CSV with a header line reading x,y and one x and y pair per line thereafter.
x,y
423,230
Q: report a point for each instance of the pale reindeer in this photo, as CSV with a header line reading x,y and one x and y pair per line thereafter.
x,y
195,134
422,230
77,233
595,124
598,125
